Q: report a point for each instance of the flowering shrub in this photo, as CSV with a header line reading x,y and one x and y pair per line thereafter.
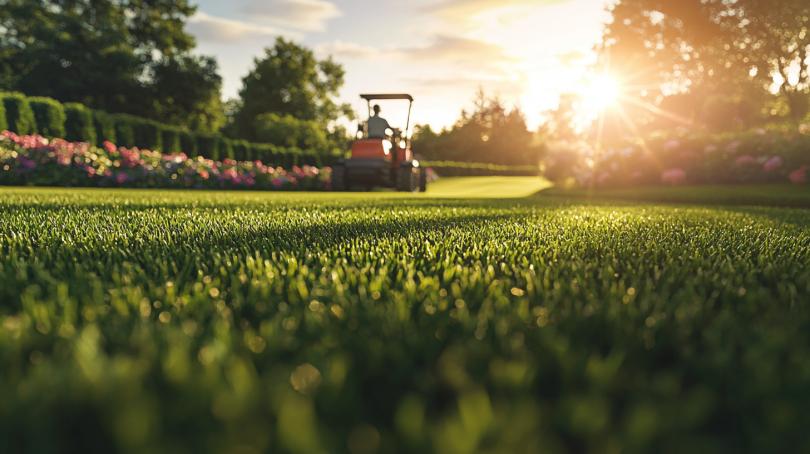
x,y
759,156
34,160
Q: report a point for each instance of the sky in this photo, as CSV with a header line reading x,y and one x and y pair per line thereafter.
x,y
441,51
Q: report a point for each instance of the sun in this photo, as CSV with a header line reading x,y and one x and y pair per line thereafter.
x,y
599,93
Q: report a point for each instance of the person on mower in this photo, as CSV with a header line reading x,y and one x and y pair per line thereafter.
x,y
377,125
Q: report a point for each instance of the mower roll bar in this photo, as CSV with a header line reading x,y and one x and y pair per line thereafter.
x,y
395,96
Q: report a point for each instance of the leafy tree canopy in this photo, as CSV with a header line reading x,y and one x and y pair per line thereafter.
x,y
290,80
116,55
489,133
723,53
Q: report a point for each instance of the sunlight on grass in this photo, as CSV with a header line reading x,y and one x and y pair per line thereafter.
x,y
487,187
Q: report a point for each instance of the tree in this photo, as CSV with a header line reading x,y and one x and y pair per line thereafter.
x,y
186,91
490,133
288,131
722,52
115,55
289,80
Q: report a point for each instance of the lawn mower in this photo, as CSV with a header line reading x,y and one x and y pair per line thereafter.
x,y
385,162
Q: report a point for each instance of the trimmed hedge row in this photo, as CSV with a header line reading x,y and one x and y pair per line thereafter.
x,y
78,123
19,116
479,169
49,116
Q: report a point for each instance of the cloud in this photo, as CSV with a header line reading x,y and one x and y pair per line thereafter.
x,y
442,49
458,50
305,15
467,7
347,50
220,30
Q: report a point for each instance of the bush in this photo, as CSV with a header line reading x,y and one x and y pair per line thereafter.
x,y
105,127
288,131
124,130
188,143
79,126
3,123
170,139
241,150
225,148
147,134
208,146
19,117
49,115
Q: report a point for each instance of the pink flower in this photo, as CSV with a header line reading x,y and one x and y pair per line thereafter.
x,y
798,176
130,158
745,160
673,176
121,178
772,164
203,174
110,147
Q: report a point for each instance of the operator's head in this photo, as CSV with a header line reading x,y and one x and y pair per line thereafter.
x,y
377,109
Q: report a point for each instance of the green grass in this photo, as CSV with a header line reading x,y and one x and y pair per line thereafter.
x,y
487,187
765,195
160,321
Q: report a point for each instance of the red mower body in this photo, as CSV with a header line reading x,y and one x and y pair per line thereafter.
x,y
377,162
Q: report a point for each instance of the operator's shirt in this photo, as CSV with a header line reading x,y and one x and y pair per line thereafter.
x,y
377,126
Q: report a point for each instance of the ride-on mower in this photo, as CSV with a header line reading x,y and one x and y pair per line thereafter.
x,y
381,161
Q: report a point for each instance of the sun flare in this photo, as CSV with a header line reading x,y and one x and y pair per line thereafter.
x,y
600,93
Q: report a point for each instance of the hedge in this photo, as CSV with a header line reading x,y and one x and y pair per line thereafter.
x,y
124,130
188,143
19,116
3,124
105,127
49,115
170,139
79,126
147,133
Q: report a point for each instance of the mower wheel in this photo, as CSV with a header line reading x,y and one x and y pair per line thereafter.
x,y
339,178
407,179
423,179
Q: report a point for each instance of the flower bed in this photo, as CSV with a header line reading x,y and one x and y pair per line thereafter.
x,y
34,160
758,156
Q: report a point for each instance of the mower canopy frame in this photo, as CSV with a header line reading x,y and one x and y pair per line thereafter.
x,y
391,97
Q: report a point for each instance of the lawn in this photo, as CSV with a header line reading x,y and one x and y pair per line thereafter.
x,y
161,321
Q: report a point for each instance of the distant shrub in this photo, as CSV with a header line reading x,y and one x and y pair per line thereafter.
x,y
79,126
105,127
225,148
124,129
19,116
3,123
208,146
49,115
241,150
170,139
147,134
188,143
288,131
